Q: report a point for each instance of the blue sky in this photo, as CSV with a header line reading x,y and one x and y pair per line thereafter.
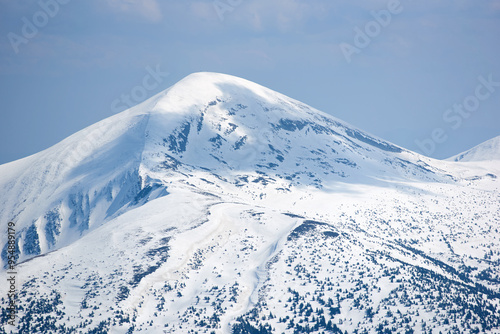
x,y
404,78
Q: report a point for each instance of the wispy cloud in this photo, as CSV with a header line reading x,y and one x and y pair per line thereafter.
x,y
495,5
262,15
148,9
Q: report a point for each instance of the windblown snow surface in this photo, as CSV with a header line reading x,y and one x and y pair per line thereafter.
x,y
487,151
220,206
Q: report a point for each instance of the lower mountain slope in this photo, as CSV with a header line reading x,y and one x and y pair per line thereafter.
x,y
410,258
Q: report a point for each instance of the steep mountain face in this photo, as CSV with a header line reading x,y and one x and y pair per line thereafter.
x,y
222,206
487,151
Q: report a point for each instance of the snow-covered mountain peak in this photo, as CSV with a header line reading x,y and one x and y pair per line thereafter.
x,y
486,151
225,115
202,86
207,132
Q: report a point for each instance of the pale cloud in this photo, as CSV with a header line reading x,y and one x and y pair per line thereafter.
x,y
261,15
495,5
285,15
204,10
148,9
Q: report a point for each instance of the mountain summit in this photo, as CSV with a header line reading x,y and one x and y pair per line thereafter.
x,y
487,151
221,206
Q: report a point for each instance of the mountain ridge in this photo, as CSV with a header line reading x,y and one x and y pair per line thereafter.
x,y
486,151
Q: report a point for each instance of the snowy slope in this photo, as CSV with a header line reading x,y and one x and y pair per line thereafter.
x,y
222,206
487,151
